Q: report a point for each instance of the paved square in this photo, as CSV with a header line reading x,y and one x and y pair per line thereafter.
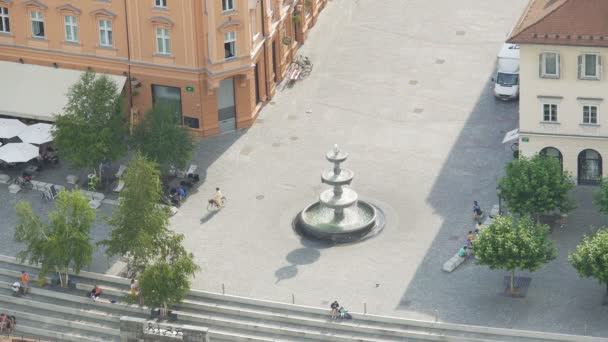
x,y
404,87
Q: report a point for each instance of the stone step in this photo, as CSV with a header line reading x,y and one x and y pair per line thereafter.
x,y
59,309
57,326
27,329
66,320
313,322
252,319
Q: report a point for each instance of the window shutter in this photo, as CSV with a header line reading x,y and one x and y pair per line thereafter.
x,y
540,65
580,67
599,67
558,66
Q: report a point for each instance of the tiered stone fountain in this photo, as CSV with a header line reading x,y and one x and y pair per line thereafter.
x,y
339,215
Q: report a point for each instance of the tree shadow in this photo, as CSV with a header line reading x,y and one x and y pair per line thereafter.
x,y
295,258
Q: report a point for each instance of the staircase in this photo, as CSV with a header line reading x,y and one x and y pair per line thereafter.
x,y
69,315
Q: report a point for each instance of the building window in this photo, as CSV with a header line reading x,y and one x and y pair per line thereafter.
x,y
589,66
170,97
229,44
163,43
71,29
160,3
191,122
105,33
549,64
590,114
227,5
5,25
37,24
550,112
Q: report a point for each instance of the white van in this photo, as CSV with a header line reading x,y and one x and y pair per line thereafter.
x,y
506,80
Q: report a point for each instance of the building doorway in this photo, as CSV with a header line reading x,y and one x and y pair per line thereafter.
x,y
589,167
226,105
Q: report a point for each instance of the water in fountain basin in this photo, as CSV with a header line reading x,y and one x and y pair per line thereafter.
x,y
323,218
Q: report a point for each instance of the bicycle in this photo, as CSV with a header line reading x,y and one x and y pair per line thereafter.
x,y
515,146
213,206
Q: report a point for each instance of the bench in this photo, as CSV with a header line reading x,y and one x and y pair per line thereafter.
x,y
4,178
121,171
454,262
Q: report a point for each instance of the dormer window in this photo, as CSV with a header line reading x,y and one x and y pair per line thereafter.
x,y
160,3
4,20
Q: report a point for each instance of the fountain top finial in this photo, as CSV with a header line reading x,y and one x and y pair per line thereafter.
x,y
336,149
335,155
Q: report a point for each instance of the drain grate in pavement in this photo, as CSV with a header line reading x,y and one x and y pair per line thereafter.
x,y
440,61
259,197
292,117
418,110
453,237
259,120
272,102
276,144
413,82
460,33
294,138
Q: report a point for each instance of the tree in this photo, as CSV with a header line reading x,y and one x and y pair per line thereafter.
x,y
139,221
537,185
167,281
591,257
162,138
510,245
92,128
601,197
61,244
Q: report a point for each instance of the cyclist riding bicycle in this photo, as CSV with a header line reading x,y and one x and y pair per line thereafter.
x,y
218,198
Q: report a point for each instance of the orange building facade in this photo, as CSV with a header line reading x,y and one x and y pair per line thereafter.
x,y
218,61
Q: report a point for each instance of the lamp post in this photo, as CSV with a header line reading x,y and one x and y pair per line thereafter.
x,y
499,192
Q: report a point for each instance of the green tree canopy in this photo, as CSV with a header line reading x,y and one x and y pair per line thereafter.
x,y
161,137
508,244
167,281
591,257
601,197
61,244
537,185
92,129
139,222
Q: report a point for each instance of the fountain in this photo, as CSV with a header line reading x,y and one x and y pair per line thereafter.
x,y
339,215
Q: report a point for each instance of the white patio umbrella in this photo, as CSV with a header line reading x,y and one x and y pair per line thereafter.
x,y
511,135
39,133
18,152
10,127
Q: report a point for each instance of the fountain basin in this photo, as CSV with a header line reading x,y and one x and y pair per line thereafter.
x,y
319,221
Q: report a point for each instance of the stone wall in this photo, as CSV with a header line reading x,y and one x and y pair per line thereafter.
x,y
142,330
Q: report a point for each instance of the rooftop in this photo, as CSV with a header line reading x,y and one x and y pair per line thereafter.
x,y
563,22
